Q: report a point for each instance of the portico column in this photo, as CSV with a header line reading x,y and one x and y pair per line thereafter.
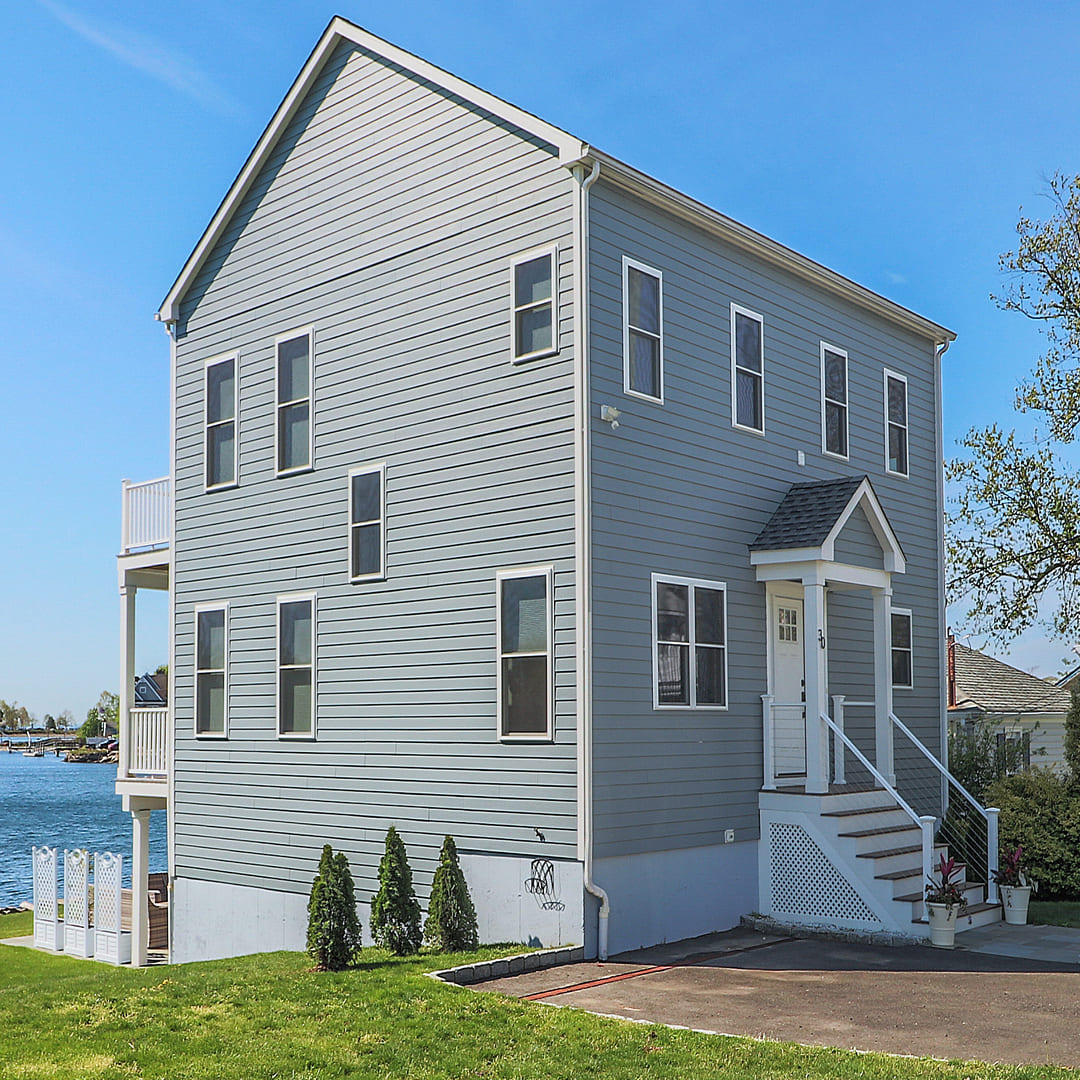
x,y
140,861
883,703
817,747
127,676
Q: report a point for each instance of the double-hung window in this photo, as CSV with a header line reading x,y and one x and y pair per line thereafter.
x,y
221,397
643,331
525,684
834,401
747,370
211,669
296,665
689,643
293,357
535,303
367,519
900,629
896,424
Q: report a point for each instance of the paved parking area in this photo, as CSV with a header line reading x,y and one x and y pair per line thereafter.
x,y
900,1000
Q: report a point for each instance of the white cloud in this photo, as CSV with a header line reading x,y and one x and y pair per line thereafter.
x,y
895,279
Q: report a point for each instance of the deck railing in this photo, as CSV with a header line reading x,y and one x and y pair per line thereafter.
x,y
148,756
146,514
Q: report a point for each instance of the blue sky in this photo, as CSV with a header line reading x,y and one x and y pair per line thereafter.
x,y
893,143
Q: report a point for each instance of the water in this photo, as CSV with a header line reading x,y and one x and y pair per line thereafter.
x,y
47,801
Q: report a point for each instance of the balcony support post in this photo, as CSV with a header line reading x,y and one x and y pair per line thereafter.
x,y
140,862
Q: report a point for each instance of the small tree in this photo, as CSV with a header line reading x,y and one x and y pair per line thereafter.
x,y
1072,736
395,913
333,937
451,922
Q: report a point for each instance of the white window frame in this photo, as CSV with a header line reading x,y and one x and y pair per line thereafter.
x,y
905,613
201,609
287,598
292,335
907,417
716,586
505,575
826,347
629,264
552,252
233,358
364,470
738,309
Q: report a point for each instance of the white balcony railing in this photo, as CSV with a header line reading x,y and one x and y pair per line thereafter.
x,y
148,750
145,515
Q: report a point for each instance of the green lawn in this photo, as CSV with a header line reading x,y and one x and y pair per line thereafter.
x,y
1054,912
270,1016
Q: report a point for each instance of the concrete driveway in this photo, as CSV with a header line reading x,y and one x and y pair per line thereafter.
x,y
899,1000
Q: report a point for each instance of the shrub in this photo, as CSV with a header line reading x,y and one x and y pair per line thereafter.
x,y
1072,736
451,922
395,913
333,937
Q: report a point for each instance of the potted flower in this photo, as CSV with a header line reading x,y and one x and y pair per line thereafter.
x,y
945,900
1015,887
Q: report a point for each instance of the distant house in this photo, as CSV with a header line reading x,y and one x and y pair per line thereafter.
x,y
1020,707
152,691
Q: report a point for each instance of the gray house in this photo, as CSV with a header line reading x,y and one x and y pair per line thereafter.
x,y
518,496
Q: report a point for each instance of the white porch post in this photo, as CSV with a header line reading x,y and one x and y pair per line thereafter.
x,y
127,676
140,924
817,747
883,702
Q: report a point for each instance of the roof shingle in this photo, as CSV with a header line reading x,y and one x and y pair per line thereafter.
x,y
988,684
806,514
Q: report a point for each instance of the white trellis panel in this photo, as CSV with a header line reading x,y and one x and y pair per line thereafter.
x,y
78,935
113,944
48,928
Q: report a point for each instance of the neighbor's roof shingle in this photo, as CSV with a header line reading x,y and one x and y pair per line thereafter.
x,y
806,514
988,684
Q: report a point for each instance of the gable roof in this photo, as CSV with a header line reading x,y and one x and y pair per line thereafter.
x,y
571,151
982,682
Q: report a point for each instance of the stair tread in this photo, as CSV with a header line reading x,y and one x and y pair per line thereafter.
x,y
972,909
896,875
860,810
885,853
882,831
911,898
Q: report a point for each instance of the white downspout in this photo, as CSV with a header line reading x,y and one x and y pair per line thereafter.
x,y
582,545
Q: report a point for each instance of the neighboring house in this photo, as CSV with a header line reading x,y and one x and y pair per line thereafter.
x,y
152,691
518,496
1020,708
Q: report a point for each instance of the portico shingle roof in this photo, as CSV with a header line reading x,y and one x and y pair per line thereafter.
x,y
807,514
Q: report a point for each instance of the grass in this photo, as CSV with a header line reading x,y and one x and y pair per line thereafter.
x,y
1054,912
270,1016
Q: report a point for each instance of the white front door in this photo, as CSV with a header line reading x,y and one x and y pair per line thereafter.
x,y
788,686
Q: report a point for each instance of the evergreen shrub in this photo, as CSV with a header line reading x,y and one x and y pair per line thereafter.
x,y
451,922
395,913
333,937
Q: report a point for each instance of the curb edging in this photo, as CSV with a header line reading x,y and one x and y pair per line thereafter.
x,y
466,974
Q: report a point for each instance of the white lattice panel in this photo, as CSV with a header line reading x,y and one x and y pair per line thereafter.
x,y
48,929
110,942
78,937
805,882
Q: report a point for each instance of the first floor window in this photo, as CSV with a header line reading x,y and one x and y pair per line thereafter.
x,y
524,618
533,285
896,424
901,649
367,486
834,403
294,371
211,666
690,643
747,369
220,409
643,331
296,665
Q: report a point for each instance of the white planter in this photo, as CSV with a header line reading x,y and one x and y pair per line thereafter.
x,y
942,919
1014,902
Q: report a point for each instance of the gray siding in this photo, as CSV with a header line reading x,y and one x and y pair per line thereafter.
x,y
857,544
676,489
386,219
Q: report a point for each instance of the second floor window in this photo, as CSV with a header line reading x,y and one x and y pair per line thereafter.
x,y
747,370
211,670
367,486
535,316
643,331
294,427
834,403
221,422
896,424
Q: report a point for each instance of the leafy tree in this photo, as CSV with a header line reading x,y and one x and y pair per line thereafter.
x,y
451,922
65,720
395,913
107,708
977,759
1072,736
1014,534
333,937
50,722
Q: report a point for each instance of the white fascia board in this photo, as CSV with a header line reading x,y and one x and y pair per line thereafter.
x,y
785,557
743,236
570,148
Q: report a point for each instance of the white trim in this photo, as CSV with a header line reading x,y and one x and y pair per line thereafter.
x,y
746,313
865,496
234,358
826,347
202,609
364,470
627,265
904,613
548,573
886,376
692,584
279,339
286,598
552,253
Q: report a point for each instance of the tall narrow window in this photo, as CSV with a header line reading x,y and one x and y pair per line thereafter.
x,y
524,630
211,670
296,665
901,649
896,424
689,643
367,534
536,323
747,370
221,422
834,401
294,427
643,331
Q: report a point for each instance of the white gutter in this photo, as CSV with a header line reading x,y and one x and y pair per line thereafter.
x,y
943,662
582,542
